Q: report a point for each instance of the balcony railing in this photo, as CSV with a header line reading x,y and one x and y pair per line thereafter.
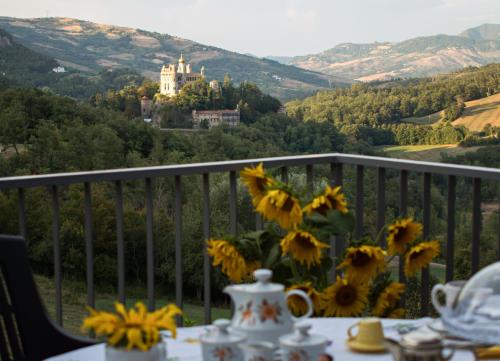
x,y
334,161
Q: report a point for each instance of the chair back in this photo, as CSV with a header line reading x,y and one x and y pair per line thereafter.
x,y
26,332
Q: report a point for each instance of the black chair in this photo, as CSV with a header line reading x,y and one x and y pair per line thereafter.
x,y
26,331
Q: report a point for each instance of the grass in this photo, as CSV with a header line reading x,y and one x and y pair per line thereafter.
x,y
480,112
426,119
74,301
476,115
431,153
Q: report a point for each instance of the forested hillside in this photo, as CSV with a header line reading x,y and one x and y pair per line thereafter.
x,y
21,66
379,107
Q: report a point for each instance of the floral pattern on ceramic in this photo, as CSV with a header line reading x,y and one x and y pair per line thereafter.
x,y
222,353
269,311
247,313
298,355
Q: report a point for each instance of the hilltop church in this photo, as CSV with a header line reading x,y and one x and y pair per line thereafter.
x,y
173,78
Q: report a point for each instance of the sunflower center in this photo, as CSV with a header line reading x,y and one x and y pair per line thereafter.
x,y
346,295
360,259
415,255
401,235
322,209
288,205
304,242
261,183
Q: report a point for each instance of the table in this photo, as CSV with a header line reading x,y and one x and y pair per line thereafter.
x,y
184,349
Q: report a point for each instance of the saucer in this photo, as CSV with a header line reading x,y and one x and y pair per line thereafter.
x,y
437,326
361,347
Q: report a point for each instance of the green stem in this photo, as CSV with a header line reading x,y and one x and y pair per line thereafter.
x,y
293,267
380,233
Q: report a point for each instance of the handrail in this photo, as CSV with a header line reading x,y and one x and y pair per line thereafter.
x,y
231,167
234,165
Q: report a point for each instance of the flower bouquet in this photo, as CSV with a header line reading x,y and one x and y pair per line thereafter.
x,y
133,334
295,244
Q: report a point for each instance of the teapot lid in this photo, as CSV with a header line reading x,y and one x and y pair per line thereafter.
x,y
421,340
220,333
302,337
263,284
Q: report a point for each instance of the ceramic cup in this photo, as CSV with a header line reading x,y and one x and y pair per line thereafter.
x,y
258,351
301,345
369,338
218,344
450,291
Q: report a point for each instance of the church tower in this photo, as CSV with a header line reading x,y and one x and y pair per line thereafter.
x,y
182,65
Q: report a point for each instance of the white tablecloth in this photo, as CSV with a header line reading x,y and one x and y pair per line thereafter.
x,y
183,349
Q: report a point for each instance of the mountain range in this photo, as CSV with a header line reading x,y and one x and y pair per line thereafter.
x,y
89,47
417,57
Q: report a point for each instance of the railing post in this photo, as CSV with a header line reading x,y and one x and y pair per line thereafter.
x,y
89,247
178,245
450,231
206,260
336,243
150,260
22,214
476,224
310,180
57,253
120,241
403,210
381,202
233,225
424,291
358,231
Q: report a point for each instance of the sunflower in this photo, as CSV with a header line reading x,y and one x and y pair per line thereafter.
x,y
401,233
345,298
256,181
280,206
364,262
388,298
303,246
397,313
330,199
419,256
134,329
225,254
297,304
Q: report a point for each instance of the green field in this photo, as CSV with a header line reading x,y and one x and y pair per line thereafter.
x,y
476,115
74,301
430,153
480,112
425,120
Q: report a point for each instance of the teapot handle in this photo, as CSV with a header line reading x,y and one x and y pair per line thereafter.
x,y
306,298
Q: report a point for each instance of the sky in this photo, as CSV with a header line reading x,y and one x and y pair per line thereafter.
x,y
273,27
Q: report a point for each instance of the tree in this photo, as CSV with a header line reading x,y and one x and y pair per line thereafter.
x,y
13,126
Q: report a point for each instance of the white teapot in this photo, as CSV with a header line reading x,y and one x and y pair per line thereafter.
x,y
260,309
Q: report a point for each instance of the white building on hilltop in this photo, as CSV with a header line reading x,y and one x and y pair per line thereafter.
x,y
173,78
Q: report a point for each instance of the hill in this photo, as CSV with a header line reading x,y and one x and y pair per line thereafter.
x,y
90,47
476,115
421,56
428,153
21,66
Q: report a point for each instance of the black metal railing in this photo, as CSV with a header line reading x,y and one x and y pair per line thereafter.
x,y
336,162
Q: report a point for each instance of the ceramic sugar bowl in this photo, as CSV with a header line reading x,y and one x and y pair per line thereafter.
x,y
260,309
220,345
301,345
